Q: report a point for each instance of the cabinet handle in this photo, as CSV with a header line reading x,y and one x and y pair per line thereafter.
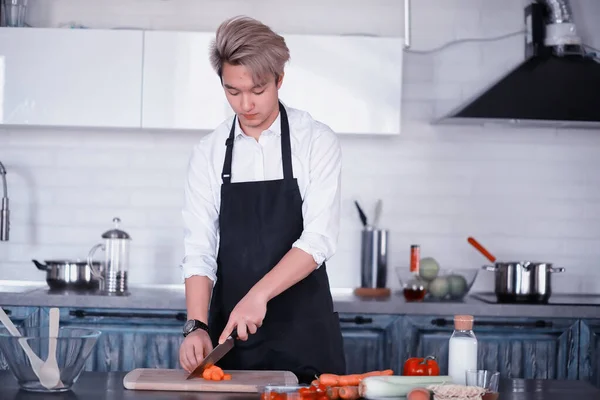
x,y
358,320
83,314
532,324
8,312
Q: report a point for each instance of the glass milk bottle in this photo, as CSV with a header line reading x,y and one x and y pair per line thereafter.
x,y
462,349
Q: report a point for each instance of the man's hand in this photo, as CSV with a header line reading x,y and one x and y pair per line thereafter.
x,y
247,316
194,348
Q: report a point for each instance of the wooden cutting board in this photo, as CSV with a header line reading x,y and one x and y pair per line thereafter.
x,y
175,380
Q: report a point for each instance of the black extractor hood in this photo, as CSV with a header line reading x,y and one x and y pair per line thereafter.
x,y
557,85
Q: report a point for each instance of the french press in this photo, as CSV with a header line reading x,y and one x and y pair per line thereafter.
x,y
116,260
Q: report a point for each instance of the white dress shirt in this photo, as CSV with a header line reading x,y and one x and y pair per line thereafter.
x,y
316,162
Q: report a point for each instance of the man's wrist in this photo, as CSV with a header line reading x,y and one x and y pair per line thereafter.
x,y
261,291
193,325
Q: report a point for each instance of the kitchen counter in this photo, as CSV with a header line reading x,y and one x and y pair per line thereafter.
x,y
171,297
109,386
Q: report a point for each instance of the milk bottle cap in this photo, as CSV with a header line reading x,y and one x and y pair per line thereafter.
x,y
463,322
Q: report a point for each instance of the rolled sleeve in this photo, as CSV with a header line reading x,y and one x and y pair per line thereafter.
x,y
321,203
200,219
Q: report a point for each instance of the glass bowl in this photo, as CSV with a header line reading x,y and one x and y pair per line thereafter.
x,y
279,392
447,285
73,347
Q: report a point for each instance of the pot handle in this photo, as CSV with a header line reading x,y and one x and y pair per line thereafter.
x,y
40,266
90,261
555,270
491,268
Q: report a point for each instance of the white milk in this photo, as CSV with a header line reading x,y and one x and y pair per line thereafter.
x,y
462,356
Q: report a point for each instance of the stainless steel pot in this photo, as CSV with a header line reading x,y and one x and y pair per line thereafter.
x,y
523,281
70,275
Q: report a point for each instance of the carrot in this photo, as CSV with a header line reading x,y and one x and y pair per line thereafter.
x,y
329,379
378,373
349,392
213,373
206,374
333,392
226,377
350,380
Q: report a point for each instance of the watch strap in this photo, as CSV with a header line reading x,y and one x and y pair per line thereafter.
x,y
197,325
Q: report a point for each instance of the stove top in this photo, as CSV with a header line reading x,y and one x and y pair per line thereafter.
x,y
555,300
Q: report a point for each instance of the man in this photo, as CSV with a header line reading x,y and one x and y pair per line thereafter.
x,y
261,217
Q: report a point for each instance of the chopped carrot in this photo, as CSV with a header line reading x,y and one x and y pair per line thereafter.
x,y
214,373
226,377
206,374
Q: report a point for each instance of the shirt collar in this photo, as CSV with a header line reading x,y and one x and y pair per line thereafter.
x,y
274,129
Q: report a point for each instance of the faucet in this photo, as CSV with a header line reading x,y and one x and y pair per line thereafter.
x,y
4,213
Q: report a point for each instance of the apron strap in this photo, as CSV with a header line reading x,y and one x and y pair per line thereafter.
x,y
286,148
226,174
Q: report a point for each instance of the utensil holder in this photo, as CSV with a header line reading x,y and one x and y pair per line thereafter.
x,y
374,258
13,13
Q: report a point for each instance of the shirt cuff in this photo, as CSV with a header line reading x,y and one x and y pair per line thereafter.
x,y
305,245
200,266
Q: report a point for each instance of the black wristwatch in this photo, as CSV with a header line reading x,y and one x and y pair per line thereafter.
x,y
192,325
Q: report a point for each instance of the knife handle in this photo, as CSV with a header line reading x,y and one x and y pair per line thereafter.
x,y
234,334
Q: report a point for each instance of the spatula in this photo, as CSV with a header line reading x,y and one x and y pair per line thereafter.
x,y
50,373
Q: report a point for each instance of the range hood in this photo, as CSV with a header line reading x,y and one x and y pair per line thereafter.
x,y
557,85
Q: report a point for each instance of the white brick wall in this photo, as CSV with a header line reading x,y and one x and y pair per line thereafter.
x,y
525,193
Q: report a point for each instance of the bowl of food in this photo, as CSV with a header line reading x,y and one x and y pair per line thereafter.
x,y
47,364
434,283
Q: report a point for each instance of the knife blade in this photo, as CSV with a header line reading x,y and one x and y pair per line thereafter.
x,y
215,355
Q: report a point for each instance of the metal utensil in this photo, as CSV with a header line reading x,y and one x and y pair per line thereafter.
x,y
214,356
377,213
4,211
361,214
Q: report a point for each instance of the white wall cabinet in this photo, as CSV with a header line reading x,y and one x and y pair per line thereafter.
x,y
163,80
64,77
351,83
181,90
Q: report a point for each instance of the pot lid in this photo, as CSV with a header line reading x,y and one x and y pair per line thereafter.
x,y
116,233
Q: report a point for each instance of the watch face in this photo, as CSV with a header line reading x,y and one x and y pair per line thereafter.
x,y
189,325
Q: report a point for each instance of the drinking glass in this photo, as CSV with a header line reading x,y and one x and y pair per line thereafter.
x,y
483,378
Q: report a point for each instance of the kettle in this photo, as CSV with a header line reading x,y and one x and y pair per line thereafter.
x,y
116,246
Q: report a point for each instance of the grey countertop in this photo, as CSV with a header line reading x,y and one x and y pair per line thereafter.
x,y
171,297
109,385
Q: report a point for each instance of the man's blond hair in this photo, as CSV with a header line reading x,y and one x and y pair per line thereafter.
x,y
245,41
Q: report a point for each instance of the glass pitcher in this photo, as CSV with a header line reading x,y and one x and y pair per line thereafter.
x,y
116,260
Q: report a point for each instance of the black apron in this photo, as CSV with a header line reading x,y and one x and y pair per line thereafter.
x,y
259,222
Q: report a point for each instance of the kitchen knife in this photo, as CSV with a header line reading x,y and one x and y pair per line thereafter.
x,y
215,355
